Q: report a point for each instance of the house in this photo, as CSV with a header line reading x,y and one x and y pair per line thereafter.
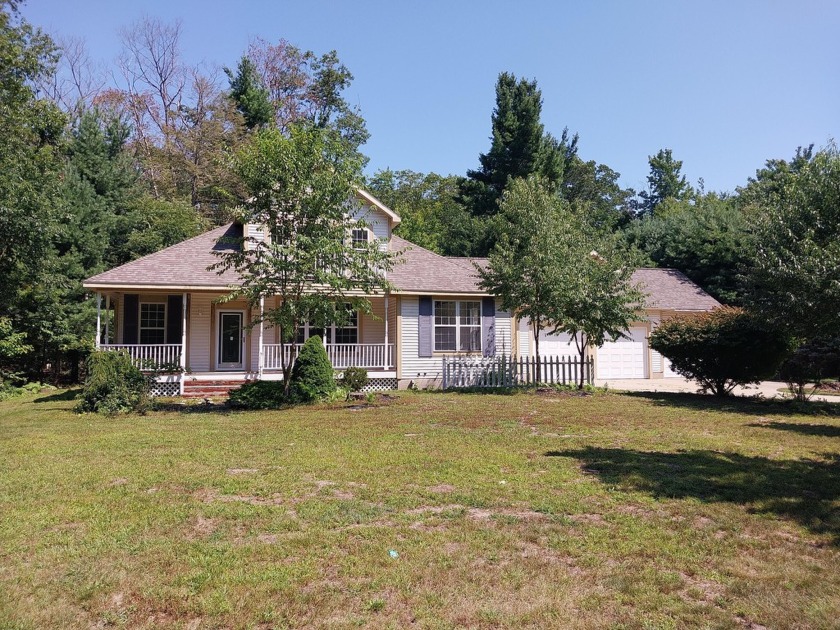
x,y
163,309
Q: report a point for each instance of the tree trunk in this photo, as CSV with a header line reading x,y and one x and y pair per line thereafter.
x,y
538,372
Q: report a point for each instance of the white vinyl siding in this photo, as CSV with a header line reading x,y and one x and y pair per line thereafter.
x,y
416,367
377,222
199,333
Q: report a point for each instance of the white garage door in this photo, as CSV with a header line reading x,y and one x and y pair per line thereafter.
x,y
559,345
623,358
667,371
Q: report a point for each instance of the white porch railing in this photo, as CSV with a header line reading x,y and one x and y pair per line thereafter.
x,y
149,356
341,355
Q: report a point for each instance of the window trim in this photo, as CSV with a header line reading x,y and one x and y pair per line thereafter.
x,y
457,325
141,327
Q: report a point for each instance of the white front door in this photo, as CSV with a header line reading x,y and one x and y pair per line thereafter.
x,y
624,357
231,341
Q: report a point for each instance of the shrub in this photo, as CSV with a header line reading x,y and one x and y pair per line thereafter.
x,y
721,349
809,364
114,385
354,379
312,375
259,395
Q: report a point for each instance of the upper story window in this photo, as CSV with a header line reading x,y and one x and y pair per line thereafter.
x,y
359,238
152,323
457,326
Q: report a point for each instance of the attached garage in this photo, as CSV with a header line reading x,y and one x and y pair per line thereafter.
x,y
560,345
625,357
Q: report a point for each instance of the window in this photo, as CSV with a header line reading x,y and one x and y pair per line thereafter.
x,y
153,323
359,238
457,326
349,333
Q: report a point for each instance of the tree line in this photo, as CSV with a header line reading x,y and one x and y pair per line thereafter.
x,y
99,166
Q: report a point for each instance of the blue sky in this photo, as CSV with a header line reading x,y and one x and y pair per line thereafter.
x,y
724,84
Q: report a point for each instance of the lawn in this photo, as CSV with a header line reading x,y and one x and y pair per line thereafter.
x,y
431,511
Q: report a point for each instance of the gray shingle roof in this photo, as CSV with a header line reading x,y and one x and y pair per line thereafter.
x,y
669,289
182,265
421,270
418,271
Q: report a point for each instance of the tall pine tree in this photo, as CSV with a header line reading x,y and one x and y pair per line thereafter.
x,y
519,147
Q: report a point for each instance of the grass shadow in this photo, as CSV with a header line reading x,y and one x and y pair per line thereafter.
x,y
805,491
821,430
70,394
739,404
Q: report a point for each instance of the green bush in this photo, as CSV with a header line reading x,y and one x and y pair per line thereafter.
x,y
721,349
312,375
354,379
114,385
259,395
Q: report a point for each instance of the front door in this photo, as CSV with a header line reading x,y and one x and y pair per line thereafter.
x,y
231,341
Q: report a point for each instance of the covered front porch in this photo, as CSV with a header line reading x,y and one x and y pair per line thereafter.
x,y
195,335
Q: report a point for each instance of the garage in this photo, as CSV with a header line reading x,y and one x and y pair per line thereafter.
x,y
559,345
625,357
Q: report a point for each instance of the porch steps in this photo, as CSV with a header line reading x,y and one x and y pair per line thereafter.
x,y
210,389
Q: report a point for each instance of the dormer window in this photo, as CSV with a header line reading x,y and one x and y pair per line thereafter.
x,y
359,238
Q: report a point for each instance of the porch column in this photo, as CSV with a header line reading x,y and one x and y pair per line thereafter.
x,y
98,320
261,355
107,319
183,358
385,354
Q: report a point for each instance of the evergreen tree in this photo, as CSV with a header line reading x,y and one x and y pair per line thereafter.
x,y
519,147
665,180
249,94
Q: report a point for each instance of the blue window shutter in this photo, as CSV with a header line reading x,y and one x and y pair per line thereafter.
x,y
488,326
131,315
424,327
174,316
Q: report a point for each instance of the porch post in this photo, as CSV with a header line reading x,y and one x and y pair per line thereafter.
x,y
107,319
385,357
98,320
261,359
183,358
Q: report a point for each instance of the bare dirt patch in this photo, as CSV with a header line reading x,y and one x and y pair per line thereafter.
x,y
241,471
441,488
121,481
203,527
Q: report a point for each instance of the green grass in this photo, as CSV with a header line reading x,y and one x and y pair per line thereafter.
x,y
523,510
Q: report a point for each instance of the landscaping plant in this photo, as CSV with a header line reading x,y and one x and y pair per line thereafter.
x,y
114,385
312,376
721,349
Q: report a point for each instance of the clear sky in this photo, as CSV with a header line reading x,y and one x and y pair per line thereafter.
x,y
724,84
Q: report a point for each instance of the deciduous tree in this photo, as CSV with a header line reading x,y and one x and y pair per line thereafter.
x,y
302,189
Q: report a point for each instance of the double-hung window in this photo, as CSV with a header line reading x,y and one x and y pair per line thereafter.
x,y
457,326
152,323
359,238
349,331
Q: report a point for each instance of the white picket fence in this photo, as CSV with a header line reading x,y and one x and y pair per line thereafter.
x,y
459,372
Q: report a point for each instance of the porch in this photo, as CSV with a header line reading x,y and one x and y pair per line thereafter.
x,y
196,335
168,357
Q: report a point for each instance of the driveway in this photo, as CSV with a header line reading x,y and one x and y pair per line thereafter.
x,y
767,389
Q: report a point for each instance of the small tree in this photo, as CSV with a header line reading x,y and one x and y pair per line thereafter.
x,y
303,189
809,364
529,263
721,349
313,376
546,267
599,301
